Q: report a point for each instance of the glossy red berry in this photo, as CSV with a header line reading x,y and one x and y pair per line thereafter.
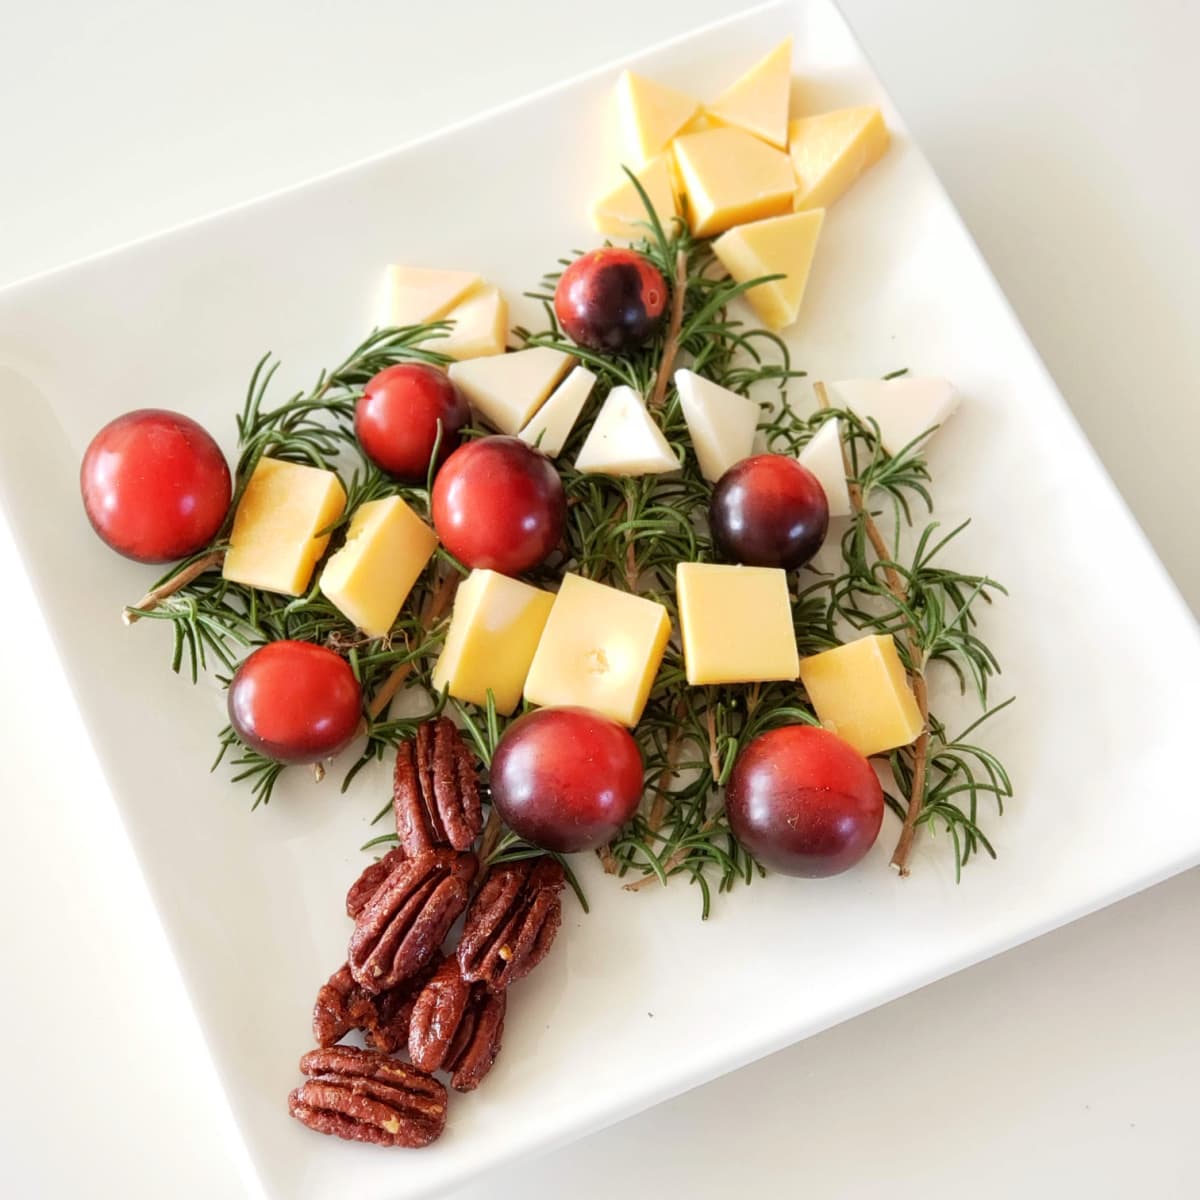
x,y
566,779
295,702
155,485
804,802
611,300
769,511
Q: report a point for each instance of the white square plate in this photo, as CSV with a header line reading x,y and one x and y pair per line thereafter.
x,y
639,1000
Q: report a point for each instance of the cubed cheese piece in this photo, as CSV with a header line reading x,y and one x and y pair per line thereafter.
x,y
369,578
823,457
861,693
494,631
904,408
480,325
601,649
553,422
777,246
277,530
650,115
624,440
721,423
414,295
507,389
736,623
622,213
831,150
758,102
731,177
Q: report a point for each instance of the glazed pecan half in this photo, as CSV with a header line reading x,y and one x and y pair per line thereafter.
x,y
364,1096
436,790
370,881
511,923
404,924
343,1006
456,1026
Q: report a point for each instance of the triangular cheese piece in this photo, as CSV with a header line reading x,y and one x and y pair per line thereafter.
x,y
553,422
622,212
414,295
777,246
831,150
624,440
758,102
823,457
904,408
507,389
650,116
480,325
721,423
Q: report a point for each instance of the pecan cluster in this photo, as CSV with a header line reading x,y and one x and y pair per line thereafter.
x,y
400,986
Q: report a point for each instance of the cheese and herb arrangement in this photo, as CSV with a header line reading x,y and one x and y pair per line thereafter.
x,y
613,586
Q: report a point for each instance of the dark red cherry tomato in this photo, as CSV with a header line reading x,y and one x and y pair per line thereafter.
x,y
155,485
611,299
295,702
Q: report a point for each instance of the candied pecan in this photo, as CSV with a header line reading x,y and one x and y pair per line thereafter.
x,y
456,1026
368,883
435,790
511,923
477,1042
393,1010
343,1006
364,1096
405,922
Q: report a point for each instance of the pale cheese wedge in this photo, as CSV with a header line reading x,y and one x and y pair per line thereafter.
x,y
720,423
415,295
758,102
904,408
624,440
480,325
553,422
650,115
831,150
507,389
823,457
622,213
777,246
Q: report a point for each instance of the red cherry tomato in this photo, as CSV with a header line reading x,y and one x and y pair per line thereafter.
x,y
396,419
499,504
611,300
804,802
155,485
295,702
566,779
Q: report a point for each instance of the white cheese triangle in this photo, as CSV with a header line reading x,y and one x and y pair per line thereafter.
x,y
553,422
720,422
823,457
904,408
414,295
624,440
507,389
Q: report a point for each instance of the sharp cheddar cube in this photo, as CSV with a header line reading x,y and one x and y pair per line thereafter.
x,y
414,295
480,325
731,177
860,691
650,115
507,389
736,623
369,578
494,631
758,102
622,213
276,537
601,649
777,246
831,150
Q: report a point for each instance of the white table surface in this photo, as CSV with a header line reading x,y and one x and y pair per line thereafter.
x,y
1065,133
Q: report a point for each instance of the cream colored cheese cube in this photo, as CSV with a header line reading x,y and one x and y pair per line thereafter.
x,y
601,649
553,422
650,115
736,623
904,408
721,423
823,457
277,535
831,150
369,578
494,631
860,691
480,325
415,295
622,213
758,102
507,389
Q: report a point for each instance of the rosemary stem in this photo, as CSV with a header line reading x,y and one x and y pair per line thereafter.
x,y
153,598
671,343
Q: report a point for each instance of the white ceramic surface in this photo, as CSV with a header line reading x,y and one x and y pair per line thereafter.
x,y
250,902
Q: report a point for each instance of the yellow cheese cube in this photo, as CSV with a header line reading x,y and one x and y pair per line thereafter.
x,y
731,177
777,246
414,295
622,212
480,325
601,649
758,102
276,537
494,631
650,115
369,578
830,151
736,623
861,693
